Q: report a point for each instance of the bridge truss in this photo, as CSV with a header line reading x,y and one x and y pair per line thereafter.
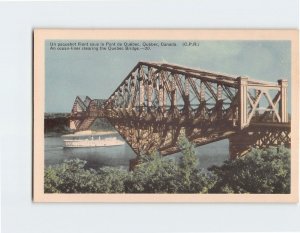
x,y
157,103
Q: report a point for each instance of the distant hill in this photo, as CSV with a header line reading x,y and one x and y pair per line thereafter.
x,y
58,123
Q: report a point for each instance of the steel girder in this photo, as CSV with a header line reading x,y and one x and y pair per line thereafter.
x,y
157,103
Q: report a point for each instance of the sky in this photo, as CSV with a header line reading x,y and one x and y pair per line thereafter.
x,y
98,73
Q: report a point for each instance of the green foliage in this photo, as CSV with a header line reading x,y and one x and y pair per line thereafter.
x,y
192,179
111,180
260,171
72,177
153,174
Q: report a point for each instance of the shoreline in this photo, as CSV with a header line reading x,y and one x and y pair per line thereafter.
x,y
80,133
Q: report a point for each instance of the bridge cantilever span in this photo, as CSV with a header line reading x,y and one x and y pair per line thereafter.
x,y
157,103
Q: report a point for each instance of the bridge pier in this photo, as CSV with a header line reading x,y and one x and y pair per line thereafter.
x,y
240,144
258,137
133,163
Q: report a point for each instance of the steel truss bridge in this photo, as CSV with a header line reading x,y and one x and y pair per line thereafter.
x,y
157,103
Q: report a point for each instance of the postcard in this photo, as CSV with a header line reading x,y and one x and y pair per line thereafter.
x,y
165,115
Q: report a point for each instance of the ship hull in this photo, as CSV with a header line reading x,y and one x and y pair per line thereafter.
x,y
92,143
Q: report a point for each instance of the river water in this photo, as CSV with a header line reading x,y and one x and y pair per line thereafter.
x,y
119,156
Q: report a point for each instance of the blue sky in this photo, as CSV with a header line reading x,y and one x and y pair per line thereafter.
x,y
97,74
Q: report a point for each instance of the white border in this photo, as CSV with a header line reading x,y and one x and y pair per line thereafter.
x,y
21,215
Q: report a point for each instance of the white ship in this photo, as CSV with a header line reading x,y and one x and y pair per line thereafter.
x,y
91,141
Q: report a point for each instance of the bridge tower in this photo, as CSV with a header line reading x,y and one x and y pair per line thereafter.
x,y
260,134
242,92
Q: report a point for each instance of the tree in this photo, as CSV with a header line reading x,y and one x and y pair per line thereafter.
x,y
111,180
153,174
260,171
72,177
192,178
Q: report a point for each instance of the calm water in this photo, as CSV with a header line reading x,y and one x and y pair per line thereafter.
x,y
119,156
